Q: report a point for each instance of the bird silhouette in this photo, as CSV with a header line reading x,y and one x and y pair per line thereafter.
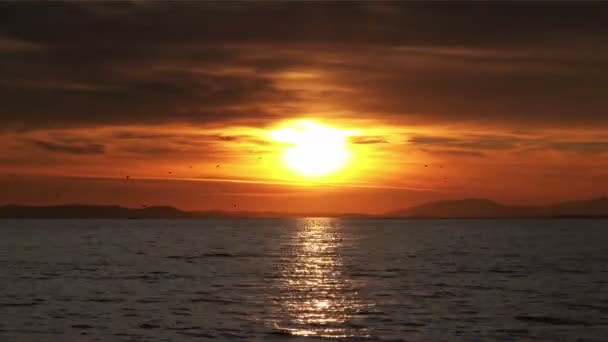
x,y
218,165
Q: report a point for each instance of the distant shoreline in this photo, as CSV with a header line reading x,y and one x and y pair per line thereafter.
x,y
451,209
379,218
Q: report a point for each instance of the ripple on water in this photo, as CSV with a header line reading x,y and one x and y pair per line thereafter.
x,y
319,278
552,320
316,297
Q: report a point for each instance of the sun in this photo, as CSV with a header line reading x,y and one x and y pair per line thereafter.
x,y
313,149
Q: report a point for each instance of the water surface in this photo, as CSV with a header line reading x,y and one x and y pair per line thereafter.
x,y
304,279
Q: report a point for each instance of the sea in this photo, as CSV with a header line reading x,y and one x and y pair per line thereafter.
x,y
305,279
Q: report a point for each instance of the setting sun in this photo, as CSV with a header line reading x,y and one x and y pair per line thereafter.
x,y
313,149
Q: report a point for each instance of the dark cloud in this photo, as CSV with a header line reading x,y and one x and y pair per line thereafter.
x,y
16,46
368,140
186,138
453,152
90,63
579,146
468,23
71,148
153,150
476,144
239,137
128,135
177,144
544,87
473,142
147,99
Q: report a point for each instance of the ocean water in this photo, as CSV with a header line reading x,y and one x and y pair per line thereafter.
x,y
304,280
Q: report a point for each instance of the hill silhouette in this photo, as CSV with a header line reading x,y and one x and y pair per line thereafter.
x,y
82,211
465,208
89,211
483,208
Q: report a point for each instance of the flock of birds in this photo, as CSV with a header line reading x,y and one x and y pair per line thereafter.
x,y
234,204
128,178
441,167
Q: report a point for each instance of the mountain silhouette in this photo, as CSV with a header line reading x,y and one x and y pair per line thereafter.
x,y
594,207
89,211
465,208
82,211
483,208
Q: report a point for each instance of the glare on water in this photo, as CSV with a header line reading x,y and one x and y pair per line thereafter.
x,y
317,298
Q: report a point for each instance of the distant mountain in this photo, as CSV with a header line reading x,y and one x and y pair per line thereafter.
x,y
482,208
594,207
89,211
80,211
455,208
465,208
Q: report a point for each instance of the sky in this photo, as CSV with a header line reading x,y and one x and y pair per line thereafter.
x,y
179,103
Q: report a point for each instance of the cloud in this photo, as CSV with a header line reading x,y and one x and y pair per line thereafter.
x,y
453,152
367,140
88,63
8,45
147,99
131,135
381,23
240,137
477,142
579,146
185,138
71,148
152,150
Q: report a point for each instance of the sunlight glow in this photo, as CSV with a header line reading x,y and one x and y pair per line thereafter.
x,y
313,149
318,298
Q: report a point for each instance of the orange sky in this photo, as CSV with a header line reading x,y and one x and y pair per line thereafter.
x,y
445,107
391,167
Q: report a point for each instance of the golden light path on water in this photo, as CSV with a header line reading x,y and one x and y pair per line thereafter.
x,y
317,297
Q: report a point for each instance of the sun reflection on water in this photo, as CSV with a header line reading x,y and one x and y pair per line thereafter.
x,y
316,296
